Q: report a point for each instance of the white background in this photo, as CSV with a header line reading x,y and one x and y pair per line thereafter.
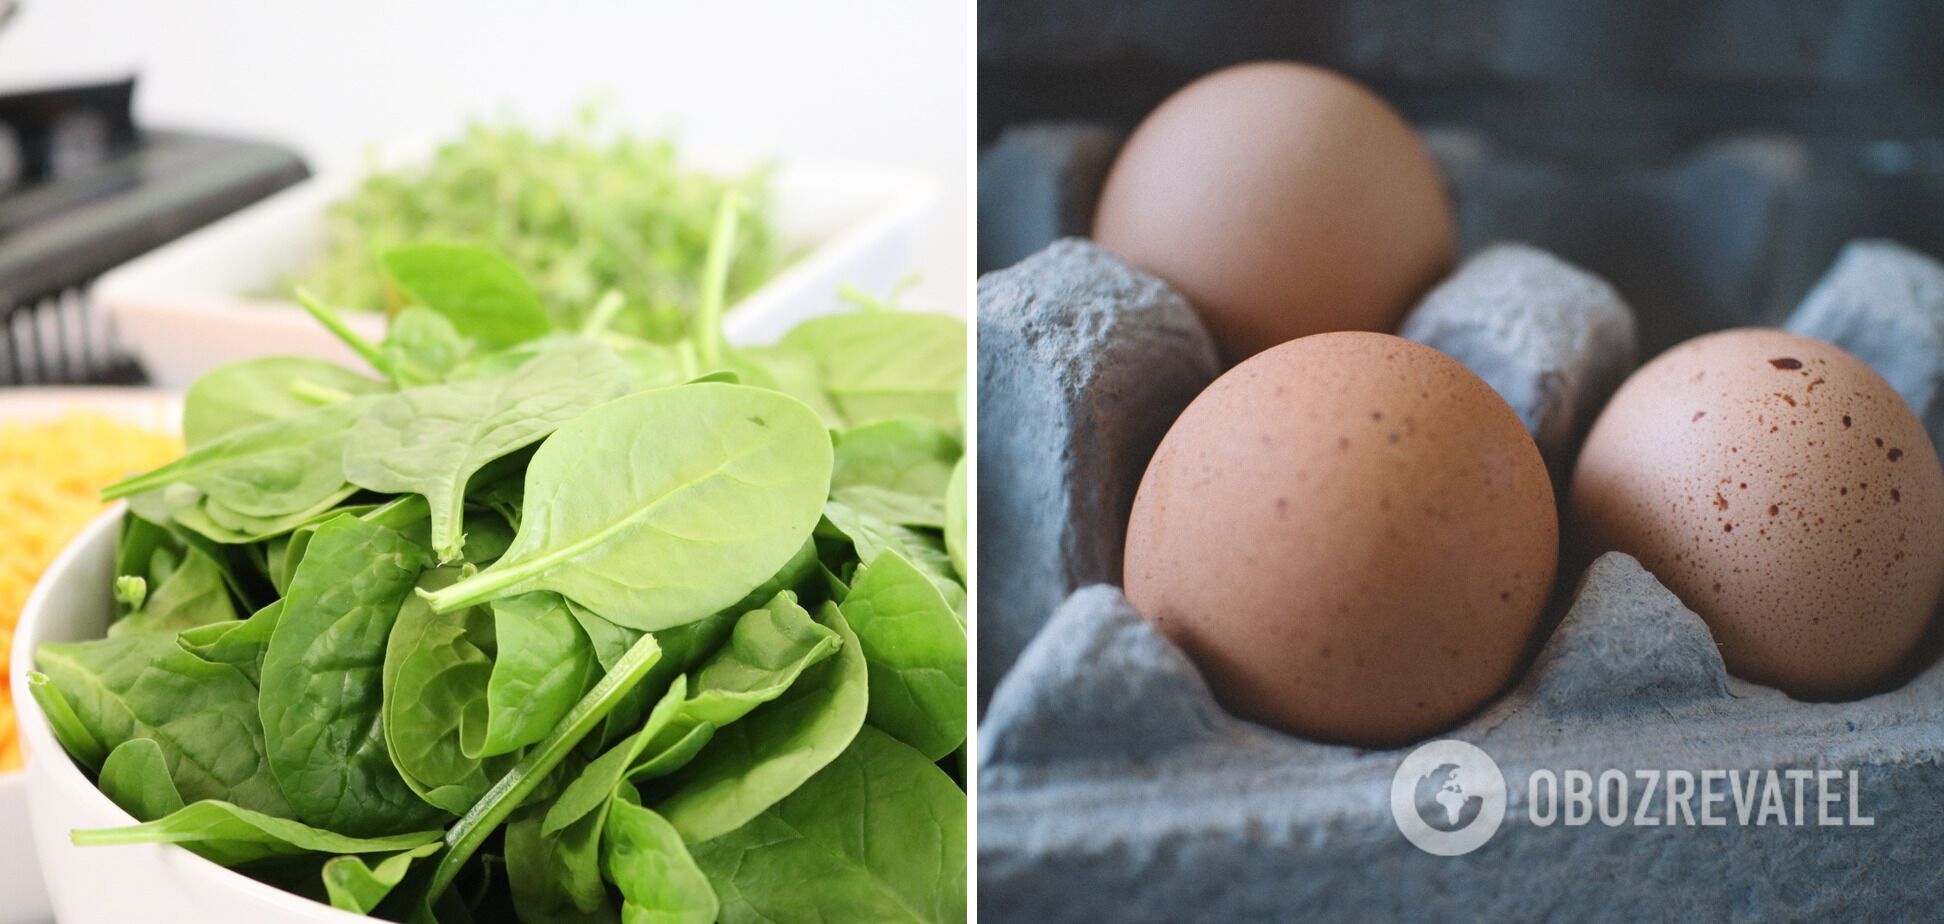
x,y
874,81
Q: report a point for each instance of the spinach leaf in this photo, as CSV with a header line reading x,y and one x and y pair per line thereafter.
x,y
611,644
649,365
215,522
683,647
795,571
955,521
430,440
791,372
553,850
916,651
322,689
502,496
907,455
232,835
422,346
241,568
201,639
644,857
192,594
512,790
662,507
436,669
653,365
769,649
238,644
673,756
833,585
488,536
355,885
255,391
556,878
896,507
482,293
145,550
272,469
136,777
597,782
75,736
545,662
203,715
295,542
575,865
750,765
880,364
871,537
407,514
878,835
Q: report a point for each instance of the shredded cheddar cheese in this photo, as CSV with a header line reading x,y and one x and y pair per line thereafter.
x,y
51,476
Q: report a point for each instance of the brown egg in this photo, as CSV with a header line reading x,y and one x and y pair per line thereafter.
x,y
1351,534
1785,493
1282,200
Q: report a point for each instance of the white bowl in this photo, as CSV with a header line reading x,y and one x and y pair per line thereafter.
x,y
186,308
23,899
113,885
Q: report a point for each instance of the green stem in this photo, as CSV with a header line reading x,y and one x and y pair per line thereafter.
x,y
512,790
131,591
715,282
603,314
131,834
858,297
686,362
866,302
334,322
473,590
317,394
68,727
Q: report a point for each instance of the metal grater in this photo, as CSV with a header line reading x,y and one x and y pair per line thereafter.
x,y
83,189
63,338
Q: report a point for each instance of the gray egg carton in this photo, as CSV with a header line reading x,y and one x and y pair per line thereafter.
x,y
1113,787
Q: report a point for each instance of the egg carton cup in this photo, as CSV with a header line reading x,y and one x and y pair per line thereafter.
x,y
1113,787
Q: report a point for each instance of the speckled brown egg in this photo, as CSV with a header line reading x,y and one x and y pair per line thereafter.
x,y
1351,535
1785,493
1281,200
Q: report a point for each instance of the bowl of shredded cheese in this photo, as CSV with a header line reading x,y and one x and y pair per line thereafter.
x,y
58,448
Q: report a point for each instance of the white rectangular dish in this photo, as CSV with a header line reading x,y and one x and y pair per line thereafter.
x,y
191,306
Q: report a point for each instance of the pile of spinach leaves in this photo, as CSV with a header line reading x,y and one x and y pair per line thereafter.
x,y
549,625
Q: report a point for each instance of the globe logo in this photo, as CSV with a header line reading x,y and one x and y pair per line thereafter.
x,y
1442,801
1448,798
